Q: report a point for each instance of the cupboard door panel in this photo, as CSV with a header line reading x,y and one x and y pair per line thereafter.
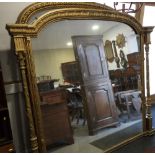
x,y
99,100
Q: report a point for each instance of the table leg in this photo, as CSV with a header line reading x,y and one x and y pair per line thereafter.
x,y
127,105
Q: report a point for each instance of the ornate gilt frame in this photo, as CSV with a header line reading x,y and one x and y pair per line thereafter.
x,y
51,12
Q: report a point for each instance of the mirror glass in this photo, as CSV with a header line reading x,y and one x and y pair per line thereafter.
x,y
57,69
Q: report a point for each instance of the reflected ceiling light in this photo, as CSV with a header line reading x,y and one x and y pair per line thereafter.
x,y
95,27
69,44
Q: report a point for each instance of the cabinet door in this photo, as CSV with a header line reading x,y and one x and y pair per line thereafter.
x,y
99,99
101,106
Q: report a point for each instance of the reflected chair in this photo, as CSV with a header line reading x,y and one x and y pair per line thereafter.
x,y
76,105
133,99
118,80
118,86
130,96
130,78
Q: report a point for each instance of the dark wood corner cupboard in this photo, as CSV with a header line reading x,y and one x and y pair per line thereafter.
x,y
96,85
5,129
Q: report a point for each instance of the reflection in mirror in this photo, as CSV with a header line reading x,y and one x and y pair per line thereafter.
x,y
62,78
109,51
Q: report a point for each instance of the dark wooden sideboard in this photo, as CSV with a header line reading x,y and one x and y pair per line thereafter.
x,y
56,122
6,145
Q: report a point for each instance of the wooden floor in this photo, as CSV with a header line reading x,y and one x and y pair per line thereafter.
x,y
83,140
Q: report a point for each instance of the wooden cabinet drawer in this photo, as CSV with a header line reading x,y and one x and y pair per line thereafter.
x,y
54,96
52,99
50,109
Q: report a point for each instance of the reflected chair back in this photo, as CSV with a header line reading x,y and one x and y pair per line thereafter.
x,y
130,78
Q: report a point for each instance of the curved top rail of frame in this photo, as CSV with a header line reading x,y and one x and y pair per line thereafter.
x,y
73,14
35,8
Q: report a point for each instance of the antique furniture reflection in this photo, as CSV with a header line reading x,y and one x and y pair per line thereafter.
x,y
6,144
56,122
124,79
126,91
117,59
131,98
109,51
123,62
28,25
130,78
134,61
118,80
75,105
43,78
120,40
46,85
96,83
70,72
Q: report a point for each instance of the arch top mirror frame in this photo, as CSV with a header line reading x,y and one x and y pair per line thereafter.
x,y
27,26
67,10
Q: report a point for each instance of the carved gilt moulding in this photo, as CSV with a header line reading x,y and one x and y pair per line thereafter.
x,y
63,11
49,12
34,8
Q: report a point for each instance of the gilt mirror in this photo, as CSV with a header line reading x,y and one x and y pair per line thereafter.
x,y
68,82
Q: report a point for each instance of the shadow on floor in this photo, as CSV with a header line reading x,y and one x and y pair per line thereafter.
x,y
119,136
144,144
